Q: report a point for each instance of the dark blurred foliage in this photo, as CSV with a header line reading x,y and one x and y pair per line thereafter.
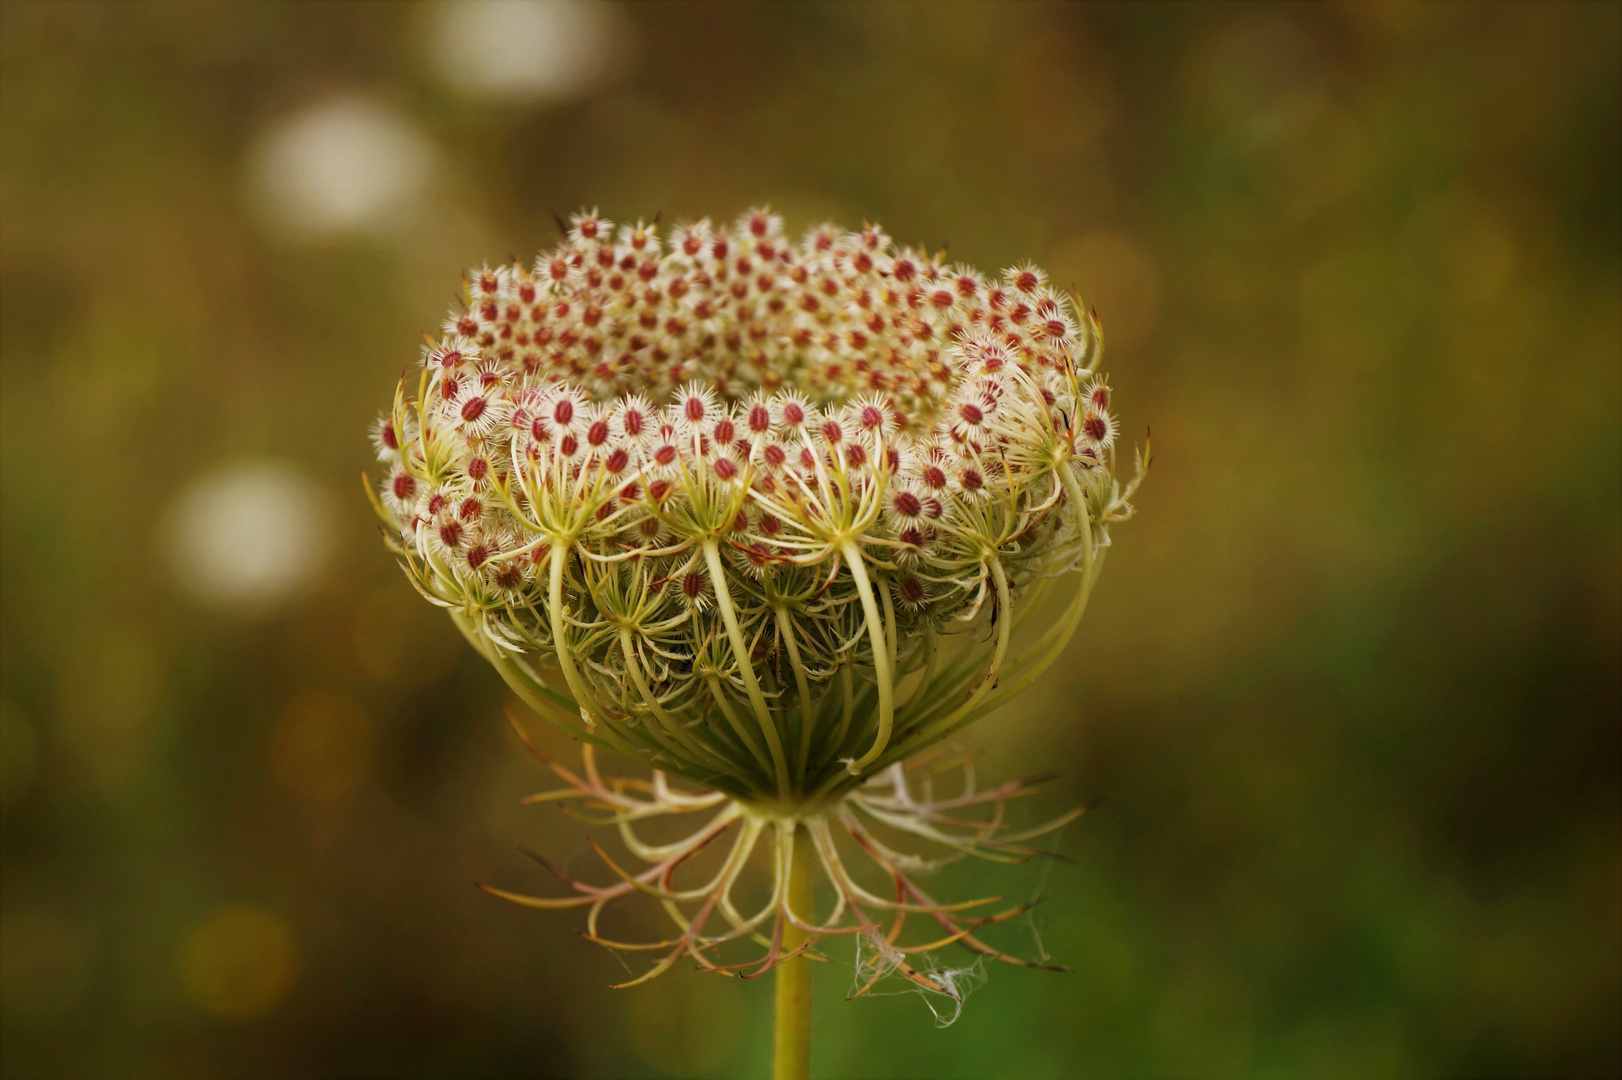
x,y
1348,691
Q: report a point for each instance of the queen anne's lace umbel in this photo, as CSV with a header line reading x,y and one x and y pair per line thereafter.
x,y
757,512
767,516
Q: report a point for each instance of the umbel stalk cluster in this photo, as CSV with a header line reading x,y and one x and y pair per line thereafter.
x,y
770,517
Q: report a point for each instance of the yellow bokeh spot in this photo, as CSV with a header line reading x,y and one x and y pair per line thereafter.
x,y
239,961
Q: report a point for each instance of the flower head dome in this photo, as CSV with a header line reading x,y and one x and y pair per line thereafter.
x,y
737,490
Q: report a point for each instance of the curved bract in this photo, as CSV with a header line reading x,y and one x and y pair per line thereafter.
x,y
766,515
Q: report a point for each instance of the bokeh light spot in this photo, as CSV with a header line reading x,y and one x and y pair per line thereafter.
x,y
527,50
342,166
239,961
248,535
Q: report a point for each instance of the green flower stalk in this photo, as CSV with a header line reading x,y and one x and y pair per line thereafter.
x,y
769,517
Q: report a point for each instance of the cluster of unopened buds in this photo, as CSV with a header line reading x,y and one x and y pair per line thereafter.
x,y
769,517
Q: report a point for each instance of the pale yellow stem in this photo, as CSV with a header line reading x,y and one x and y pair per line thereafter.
x,y
791,1048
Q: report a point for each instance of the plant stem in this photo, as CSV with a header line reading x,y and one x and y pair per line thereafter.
x,y
791,1050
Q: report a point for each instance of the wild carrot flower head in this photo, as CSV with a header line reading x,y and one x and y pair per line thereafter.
x,y
765,514
744,494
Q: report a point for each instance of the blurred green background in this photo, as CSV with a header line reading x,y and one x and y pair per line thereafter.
x,y
1349,690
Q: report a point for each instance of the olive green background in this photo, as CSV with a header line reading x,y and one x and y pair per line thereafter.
x,y
1348,693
